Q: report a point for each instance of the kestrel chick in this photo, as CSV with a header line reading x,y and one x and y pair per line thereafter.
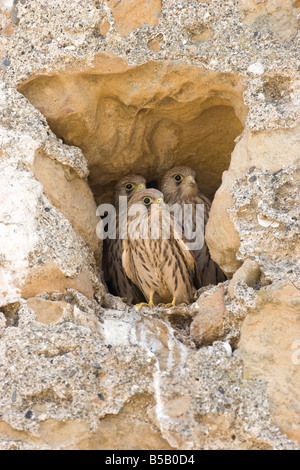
x,y
161,266
179,186
117,281
127,186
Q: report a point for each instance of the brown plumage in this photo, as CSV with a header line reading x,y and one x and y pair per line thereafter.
x,y
163,268
179,186
116,279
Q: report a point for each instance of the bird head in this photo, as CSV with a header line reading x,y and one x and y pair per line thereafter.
x,y
146,210
128,185
179,181
149,198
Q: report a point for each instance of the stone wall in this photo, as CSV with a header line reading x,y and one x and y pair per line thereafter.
x,y
90,91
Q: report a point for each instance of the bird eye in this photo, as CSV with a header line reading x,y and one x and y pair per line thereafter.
x,y
147,201
128,186
178,178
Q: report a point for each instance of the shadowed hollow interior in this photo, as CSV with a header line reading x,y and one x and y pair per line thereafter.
x,y
143,119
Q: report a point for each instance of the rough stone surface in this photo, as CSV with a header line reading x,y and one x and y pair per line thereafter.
x,y
271,151
207,325
130,14
265,208
83,373
46,311
272,351
248,273
91,90
70,194
39,247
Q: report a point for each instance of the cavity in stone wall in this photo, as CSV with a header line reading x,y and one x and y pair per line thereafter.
x,y
143,120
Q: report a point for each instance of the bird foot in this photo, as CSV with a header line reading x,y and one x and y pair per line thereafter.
x,y
172,304
150,304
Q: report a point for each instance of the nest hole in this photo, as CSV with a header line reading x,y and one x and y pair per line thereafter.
x,y
143,119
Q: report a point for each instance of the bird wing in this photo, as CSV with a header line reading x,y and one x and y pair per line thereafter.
x,y
127,262
188,254
191,262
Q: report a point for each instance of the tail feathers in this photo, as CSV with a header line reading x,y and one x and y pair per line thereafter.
x,y
211,273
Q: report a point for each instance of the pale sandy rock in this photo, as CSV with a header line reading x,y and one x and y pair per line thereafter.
x,y
156,42
177,406
7,21
257,68
273,151
277,17
208,324
50,278
123,385
32,256
70,194
221,237
121,432
266,215
36,236
268,346
104,26
130,14
248,273
17,235
46,311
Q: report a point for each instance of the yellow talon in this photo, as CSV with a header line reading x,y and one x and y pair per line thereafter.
x,y
172,304
150,304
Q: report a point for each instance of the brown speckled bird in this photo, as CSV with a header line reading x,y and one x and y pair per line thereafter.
x,y
179,186
162,268
116,279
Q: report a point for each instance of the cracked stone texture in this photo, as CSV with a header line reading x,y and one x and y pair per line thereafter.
x,y
267,350
88,382
179,82
270,151
265,207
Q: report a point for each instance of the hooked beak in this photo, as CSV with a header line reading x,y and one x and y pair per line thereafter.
x,y
191,180
161,202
